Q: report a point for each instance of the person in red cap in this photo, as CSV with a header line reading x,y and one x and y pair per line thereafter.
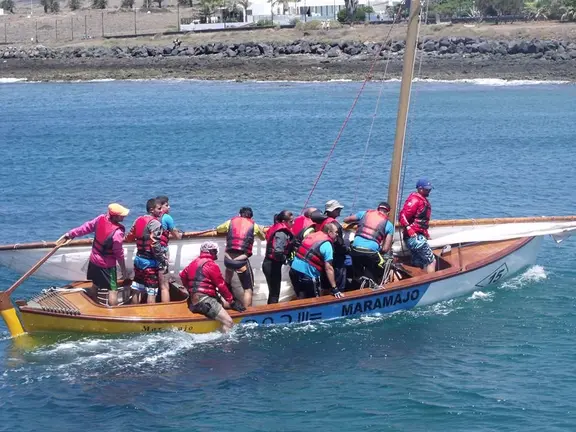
x,y
107,251
415,218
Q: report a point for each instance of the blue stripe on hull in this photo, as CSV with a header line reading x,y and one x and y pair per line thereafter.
x,y
386,302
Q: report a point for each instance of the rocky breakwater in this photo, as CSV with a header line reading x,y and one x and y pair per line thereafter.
x,y
446,47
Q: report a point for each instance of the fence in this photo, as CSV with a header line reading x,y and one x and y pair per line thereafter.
x,y
86,25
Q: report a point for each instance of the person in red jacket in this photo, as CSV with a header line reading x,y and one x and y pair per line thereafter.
x,y
415,218
205,283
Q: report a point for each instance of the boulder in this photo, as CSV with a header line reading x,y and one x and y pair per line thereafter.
x,y
429,46
334,52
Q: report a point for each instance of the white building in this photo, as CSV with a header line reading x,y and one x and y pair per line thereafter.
x,y
316,9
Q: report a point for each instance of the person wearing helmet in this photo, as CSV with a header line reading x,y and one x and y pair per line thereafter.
x,y
205,283
415,218
106,251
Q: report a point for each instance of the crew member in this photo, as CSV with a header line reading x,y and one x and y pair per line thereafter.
x,y
332,210
372,242
240,232
107,250
415,218
278,247
305,224
313,258
168,229
205,284
150,257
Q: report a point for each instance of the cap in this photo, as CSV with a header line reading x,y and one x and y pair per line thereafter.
x,y
115,209
208,246
384,205
318,217
424,183
333,205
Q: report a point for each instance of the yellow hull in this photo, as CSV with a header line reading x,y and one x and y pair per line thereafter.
x,y
34,322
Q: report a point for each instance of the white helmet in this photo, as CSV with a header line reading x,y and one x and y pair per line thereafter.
x,y
209,246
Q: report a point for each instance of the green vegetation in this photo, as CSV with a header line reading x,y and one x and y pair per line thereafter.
x,y
564,10
359,14
52,6
74,4
7,5
99,4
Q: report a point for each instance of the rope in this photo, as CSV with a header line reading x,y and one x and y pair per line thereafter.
x,y
347,119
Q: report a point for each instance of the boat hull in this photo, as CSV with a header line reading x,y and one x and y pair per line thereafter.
x,y
422,291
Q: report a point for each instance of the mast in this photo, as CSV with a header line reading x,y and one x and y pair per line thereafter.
x,y
403,106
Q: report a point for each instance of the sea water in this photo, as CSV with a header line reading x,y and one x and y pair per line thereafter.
x,y
499,359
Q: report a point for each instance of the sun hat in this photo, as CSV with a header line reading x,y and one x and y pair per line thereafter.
x,y
116,209
333,205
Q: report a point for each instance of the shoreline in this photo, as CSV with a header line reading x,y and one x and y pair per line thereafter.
x,y
445,58
293,68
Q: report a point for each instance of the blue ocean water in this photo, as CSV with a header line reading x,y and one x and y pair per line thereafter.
x,y
500,359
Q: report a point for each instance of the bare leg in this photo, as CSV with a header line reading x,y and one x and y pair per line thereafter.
x,y
136,297
92,292
247,301
113,298
151,299
431,268
226,321
228,274
164,279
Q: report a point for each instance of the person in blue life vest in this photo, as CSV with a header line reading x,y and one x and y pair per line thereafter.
x,y
205,284
415,218
168,230
313,258
372,244
278,248
332,211
150,257
240,232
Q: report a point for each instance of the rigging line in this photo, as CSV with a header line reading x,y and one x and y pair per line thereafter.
x,y
374,115
347,119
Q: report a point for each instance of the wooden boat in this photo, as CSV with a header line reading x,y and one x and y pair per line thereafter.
x,y
482,253
462,271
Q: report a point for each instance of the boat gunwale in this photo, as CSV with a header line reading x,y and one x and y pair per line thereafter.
x,y
212,234
299,303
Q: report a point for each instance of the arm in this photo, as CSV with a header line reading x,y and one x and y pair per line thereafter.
x,y
330,273
214,273
223,228
157,249
168,223
407,214
130,236
118,251
85,228
351,219
387,247
259,232
184,277
281,245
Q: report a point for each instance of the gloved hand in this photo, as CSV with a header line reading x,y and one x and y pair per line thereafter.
x,y
238,307
336,293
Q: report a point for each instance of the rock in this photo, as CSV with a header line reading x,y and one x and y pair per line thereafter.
x,y
265,49
397,46
296,49
429,46
445,42
167,49
305,47
484,48
231,53
334,52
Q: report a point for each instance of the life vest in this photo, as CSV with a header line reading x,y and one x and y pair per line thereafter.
x,y
325,222
271,241
422,218
373,226
198,282
164,237
240,236
309,251
143,239
103,235
301,223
